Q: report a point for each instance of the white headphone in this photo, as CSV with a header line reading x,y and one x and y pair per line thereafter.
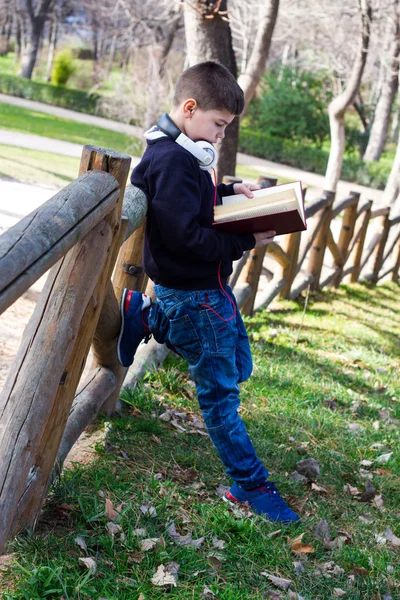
x,y
205,152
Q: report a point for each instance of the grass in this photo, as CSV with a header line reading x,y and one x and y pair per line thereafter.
x,y
313,378
29,121
34,167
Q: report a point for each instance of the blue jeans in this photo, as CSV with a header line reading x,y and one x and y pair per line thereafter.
x,y
199,327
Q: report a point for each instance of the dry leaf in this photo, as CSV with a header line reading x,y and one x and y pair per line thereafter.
x,y
308,467
140,532
219,544
166,575
6,559
111,513
81,543
378,502
352,491
148,544
207,593
380,540
389,535
299,568
183,540
222,489
90,563
148,510
113,528
274,595
274,534
366,463
318,488
136,556
284,584
297,546
384,458
338,593
369,492
141,597
360,571
156,439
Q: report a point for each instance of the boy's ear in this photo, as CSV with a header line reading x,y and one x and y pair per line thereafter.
x,y
189,106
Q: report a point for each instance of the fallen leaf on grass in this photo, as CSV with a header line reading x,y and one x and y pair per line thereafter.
x,y
148,544
111,513
380,540
136,556
183,540
369,492
321,533
394,540
274,534
360,571
308,467
184,475
81,543
207,593
378,502
113,528
330,569
366,519
299,568
274,595
284,584
141,597
351,490
297,504
156,439
338,593
148,510
318,489
366,463
297,546
219,544
166,575
222,489
90,563
384,458
140,532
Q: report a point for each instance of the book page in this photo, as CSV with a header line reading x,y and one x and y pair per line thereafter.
x,y
277,194
259,211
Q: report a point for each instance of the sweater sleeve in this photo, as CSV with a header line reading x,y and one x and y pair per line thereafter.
x,y
176,204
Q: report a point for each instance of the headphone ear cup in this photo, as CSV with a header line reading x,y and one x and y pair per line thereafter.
x,y
210,149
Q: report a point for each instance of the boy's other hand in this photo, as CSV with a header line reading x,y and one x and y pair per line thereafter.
x,y
263,238
245,188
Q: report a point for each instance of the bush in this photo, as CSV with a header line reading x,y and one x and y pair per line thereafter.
x,y
292,105
49,94
63,67
309,158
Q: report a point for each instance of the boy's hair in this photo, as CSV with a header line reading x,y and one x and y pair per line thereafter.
x,y
212,86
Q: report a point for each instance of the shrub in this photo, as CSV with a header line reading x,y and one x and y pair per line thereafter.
x,y
309,158
49,94
63,67
292,105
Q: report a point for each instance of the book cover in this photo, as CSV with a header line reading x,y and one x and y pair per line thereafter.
x,y
280,208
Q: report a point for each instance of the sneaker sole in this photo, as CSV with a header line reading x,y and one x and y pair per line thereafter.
x,y
264,516
121,333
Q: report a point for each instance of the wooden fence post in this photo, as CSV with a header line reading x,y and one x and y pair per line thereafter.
x,y
291,246
377,256
357,250
395,272
345,236
317,250
250,275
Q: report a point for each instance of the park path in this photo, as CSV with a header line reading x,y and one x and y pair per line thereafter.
x,y
35,142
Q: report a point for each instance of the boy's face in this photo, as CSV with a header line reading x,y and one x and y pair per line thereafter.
x,y
208,125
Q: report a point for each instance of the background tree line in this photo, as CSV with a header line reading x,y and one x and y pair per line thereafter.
x,y
313,71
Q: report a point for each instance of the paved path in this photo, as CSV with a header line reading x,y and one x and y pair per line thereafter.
x,y
74,115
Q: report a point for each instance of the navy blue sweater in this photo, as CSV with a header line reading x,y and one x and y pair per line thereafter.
x,y
181,249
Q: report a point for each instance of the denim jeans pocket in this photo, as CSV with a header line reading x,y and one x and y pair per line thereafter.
x,y
183,336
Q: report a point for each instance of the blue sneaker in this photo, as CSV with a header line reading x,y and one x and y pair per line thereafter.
x,y
134,326
264,500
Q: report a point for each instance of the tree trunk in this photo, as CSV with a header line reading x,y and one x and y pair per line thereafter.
x,y
392,188
255,67
37,17
337,107
208,37
52,47
384,106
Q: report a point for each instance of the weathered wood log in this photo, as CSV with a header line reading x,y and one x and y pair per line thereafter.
x,y
341,205
272,289
92,393
346,233
92,158
328,278
316,205
237,269
251,275
363,217
276,251
242,293
149,357
301,285
39,240
317,250
291,247
334,249
382,211
266,181
31,419
306,242
395,272
377,256
134,208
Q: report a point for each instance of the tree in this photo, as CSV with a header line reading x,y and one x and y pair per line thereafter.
x,y
36,13
388,91
338,106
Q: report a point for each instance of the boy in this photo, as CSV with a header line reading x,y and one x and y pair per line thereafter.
x,y
196,313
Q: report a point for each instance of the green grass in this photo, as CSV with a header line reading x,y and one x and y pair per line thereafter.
x,y
335,367
34,167
29,121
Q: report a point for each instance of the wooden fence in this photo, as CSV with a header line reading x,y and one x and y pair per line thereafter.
x,y
92,243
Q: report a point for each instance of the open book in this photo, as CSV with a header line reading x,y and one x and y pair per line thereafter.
x,y
279,208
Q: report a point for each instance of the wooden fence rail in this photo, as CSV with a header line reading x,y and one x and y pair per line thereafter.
x,y
92,243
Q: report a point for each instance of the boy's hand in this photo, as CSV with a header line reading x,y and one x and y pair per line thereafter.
x,y
245,188
263,238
